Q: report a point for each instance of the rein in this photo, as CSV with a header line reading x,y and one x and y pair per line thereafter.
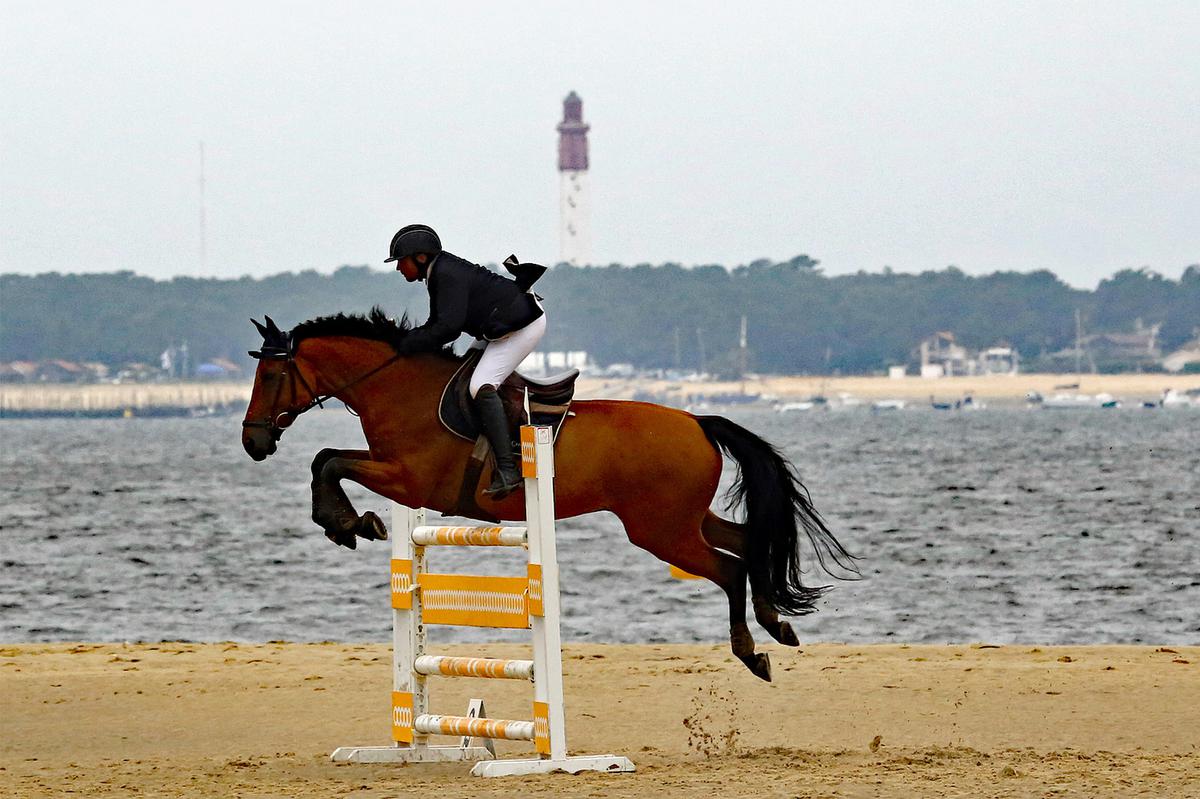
x,y
286,417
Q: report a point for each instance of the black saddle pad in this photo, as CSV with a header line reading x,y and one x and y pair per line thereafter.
x,y
549,401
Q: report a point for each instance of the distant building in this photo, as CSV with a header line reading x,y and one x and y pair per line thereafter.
x,y
138,372
1184,359
999,361
575,223
52,371
543,363
60,371
941,356
1140,346
1113,352
18,372
218,369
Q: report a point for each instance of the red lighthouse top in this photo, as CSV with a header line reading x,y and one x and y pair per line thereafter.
x,y
572,136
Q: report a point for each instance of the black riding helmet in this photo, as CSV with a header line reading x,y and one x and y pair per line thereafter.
x,y
412,239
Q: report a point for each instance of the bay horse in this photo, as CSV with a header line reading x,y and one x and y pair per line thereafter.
x,y
655,468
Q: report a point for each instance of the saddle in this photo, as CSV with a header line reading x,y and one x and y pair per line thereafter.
x,y
549,403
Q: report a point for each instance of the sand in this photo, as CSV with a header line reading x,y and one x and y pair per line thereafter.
x,y
225,720
999,389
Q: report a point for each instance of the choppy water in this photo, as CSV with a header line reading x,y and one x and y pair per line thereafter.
x,y
1001,526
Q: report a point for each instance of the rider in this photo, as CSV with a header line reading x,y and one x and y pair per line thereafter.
x,y
502,314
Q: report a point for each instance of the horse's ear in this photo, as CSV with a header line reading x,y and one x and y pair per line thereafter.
x,y
255,354
274,328
262,330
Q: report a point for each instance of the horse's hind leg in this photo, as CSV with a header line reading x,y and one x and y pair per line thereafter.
x,y
768,618
688,550
731,537
332,509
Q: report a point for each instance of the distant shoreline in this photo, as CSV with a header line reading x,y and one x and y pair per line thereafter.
x,y
1004,389
161,399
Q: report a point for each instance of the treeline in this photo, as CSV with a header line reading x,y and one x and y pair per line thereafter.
x,y
798,319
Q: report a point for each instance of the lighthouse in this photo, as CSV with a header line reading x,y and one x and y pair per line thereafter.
x,y
575,224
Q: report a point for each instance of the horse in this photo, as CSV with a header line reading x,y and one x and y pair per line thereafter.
x,y
656,468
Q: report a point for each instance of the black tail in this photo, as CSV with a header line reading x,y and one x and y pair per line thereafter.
x,y
775,500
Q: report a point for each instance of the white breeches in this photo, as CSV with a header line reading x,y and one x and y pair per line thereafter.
x,y
502,356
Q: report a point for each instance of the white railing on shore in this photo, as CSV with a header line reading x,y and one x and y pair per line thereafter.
x,y
97,397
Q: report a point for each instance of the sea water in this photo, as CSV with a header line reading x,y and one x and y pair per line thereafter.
x,y
1000,526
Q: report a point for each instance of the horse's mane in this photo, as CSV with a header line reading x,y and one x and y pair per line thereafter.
x,y
376,326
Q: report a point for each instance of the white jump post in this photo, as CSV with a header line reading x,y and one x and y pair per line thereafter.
x,y
530,602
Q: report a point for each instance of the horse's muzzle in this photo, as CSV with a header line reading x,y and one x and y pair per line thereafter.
x,y
258,442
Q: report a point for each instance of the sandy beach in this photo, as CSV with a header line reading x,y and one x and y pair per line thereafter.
x,y
1001,389
221,720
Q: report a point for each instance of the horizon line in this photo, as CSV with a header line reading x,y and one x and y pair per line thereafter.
x,y
816,268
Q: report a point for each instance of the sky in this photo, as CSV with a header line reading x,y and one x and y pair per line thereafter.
x,y
989,136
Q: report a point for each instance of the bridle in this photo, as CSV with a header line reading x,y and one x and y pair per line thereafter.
x,y
284,419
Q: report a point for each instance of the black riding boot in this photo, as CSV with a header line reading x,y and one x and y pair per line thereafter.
x,y
507,477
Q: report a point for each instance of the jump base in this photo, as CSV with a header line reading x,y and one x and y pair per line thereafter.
x,y
486,765
408,754
573,765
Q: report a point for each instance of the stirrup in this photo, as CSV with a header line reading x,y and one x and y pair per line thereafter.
x,y
501,487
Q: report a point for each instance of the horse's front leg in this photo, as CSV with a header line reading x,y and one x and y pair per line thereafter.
x,y
332,509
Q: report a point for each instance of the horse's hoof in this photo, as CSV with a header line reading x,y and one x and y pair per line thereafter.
x,y
787,635
372,528
342,538
759,665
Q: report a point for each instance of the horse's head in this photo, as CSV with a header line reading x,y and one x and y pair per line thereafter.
x,y
280,393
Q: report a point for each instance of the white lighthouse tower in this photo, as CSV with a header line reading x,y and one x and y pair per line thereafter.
x,y
575,200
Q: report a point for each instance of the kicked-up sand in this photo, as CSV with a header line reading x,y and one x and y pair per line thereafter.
x,y
225,720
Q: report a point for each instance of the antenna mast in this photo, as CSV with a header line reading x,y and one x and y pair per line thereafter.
x,y
742,362
203,219
1079,336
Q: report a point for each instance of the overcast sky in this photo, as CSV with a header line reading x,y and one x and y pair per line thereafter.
x,y
989,135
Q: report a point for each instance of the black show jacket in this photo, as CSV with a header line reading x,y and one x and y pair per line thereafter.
x,y
468,298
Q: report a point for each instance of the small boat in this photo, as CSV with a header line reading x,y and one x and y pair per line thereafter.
x,y
888,405
848,400
1173,399
787,407
1080,401
967,403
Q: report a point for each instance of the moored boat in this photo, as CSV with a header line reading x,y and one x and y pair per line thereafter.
x,y
1080,401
